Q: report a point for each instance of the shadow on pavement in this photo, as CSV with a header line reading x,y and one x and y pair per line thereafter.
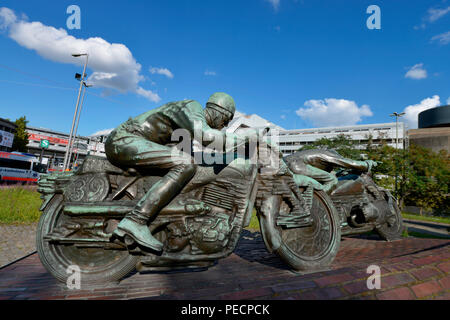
x,y
251,247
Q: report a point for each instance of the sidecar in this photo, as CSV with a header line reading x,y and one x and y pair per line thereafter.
x,y
363,207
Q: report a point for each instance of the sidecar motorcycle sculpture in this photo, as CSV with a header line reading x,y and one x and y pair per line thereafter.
x,y
82,209
364,206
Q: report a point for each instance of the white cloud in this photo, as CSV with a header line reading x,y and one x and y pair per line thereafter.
x,y
163,71
333,112
102,132
113,64
7,17
432,16
149,94
412,111
416,72
283,116
436,14
210,73
448,101
275,4
443,38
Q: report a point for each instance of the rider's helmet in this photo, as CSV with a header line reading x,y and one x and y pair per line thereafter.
x,y
223,103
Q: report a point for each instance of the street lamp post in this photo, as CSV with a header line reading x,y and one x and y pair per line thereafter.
x,y
69,145
396,115
85,85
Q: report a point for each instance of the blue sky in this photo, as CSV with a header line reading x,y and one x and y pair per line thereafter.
x,y
299,64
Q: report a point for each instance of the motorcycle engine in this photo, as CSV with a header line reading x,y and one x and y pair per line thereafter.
x,y
209,233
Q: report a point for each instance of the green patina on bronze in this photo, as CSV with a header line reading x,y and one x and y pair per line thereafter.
x,y
150,207
142,143
363,206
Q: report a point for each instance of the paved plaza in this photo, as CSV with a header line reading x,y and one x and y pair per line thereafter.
x,y
411,268
16,241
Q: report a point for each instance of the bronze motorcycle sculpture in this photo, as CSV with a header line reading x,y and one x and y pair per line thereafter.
x,y
364,206
82,209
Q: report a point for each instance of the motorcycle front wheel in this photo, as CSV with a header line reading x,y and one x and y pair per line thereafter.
x,y
96,265
304,248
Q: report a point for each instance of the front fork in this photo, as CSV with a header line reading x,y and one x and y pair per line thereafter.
x,y
266,213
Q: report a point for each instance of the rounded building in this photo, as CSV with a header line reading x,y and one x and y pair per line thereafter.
x,y
435,118
434,129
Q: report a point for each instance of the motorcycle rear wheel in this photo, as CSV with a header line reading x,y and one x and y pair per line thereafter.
x,y
96,265
306,248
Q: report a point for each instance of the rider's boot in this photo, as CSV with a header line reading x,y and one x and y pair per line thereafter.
x,y
139,231
160,194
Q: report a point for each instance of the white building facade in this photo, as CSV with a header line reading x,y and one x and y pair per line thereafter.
x,y
291,141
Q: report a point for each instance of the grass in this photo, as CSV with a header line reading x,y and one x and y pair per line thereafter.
x,y
254,223
405,233
414,234
412,216
19,205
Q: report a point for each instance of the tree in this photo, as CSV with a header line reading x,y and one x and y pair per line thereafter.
x,y
21,136
384,172
341,143
428,177
423,176
370,145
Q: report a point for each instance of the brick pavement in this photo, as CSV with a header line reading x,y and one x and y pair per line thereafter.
x,y
16,241
411,269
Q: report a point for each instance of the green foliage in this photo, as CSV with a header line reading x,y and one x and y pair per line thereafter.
x,y
19,205
21,136
425,235
428,179
412,216
389,159
423,176
341,143
405,233
254,222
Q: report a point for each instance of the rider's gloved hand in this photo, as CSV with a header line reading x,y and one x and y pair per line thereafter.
x,y
371,164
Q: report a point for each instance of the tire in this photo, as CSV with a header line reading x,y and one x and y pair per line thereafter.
x,y
96,264
393,228
307,248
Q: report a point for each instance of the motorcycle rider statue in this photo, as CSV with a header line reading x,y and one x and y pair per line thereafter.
x,y
142,143
316,166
